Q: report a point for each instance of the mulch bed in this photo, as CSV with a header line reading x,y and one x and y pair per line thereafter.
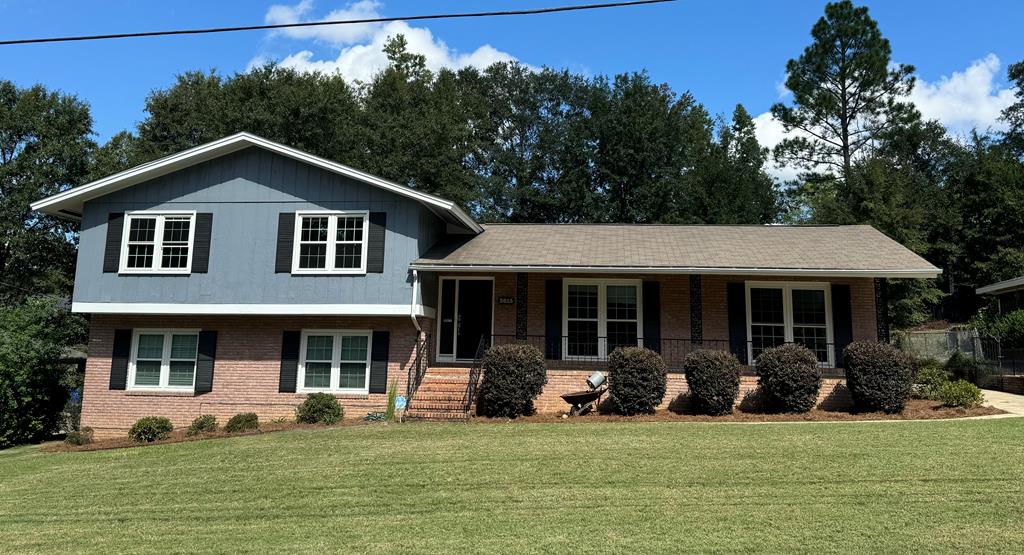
x,y
916,409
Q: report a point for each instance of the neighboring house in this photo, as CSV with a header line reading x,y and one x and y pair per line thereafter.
x,y
242,274
1009,294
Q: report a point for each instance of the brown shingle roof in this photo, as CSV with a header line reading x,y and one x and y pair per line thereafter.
x,y
697,248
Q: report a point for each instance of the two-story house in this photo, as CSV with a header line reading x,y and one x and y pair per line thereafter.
x,y
243,274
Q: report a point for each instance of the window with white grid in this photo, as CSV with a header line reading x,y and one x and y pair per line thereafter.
x,y
157,242
330,243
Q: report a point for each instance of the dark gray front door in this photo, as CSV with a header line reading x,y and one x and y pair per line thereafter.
x,y
473,315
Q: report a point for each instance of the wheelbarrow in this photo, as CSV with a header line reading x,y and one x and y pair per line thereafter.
x,y
582,402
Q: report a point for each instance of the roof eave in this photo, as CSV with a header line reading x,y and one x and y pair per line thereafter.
x,y
1001,287
923,273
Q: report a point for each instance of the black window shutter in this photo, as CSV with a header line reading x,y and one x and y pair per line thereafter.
x,y
289,361
375,243
553,319
204,363
112,254
201,248
842,320
119,359
379,362
285,243
652,315
736,303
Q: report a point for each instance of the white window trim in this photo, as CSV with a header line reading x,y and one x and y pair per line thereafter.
x,y
165,363
602,314
158,241
332,243
335,362
787,288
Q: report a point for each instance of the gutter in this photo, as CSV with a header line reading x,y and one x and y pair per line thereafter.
x,y
412,303
880,273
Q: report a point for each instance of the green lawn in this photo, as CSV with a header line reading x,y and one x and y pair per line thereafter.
x,y
532,488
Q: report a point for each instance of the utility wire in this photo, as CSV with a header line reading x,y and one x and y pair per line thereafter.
x,y
463,15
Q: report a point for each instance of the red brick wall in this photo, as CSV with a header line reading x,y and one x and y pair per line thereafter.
x,y
246,370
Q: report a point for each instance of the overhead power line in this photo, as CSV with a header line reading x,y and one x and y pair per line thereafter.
x,y
463,15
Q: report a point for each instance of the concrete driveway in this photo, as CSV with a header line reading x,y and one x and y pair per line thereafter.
x,y
1013,404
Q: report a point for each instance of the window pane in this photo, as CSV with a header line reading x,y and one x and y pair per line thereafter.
x,y
762,337
582,341
176,230
352,375
621,302
815,339
142,229
184,346
348,256
350,228
312,256
314,228
621,334
140,256
766,306
809,306
353,347
583,301
318,374
174,257
319,347
182,373
150,346
147,372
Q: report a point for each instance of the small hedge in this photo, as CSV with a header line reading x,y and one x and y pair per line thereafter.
x,y
878,375
242,422
713,378
636,380
150,429
931,376
789,378
202,424
513,376
319,408
962,367
961,393
79,437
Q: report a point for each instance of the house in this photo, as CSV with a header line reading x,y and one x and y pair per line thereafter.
x,y
242,274
1009,294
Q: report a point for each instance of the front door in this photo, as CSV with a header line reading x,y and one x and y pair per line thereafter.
x,y
466,312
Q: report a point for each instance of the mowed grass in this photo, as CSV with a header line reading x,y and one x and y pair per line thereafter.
x,y
532,488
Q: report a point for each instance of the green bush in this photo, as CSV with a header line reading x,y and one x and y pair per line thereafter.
x,y
82,436
513,376
202,424
789,377
878,375
242,422
150,428
319,408
636,380
713,378
962,367
961,394
931,375
1007,328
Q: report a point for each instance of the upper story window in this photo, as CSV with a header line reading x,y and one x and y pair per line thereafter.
x,y
797,312
330,242
163,359
158,242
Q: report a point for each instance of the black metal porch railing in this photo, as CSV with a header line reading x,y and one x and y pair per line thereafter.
x,y
418,368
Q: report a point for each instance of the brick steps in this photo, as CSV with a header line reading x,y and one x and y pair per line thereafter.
x,y
441,396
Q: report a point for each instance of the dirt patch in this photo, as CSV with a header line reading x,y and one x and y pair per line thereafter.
x,y
916,409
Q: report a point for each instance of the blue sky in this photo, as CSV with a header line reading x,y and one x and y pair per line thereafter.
x,y
725,52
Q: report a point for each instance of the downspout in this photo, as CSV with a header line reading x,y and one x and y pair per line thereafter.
x,y
412,304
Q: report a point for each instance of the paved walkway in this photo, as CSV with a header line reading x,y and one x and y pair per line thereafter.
x,y
1013,404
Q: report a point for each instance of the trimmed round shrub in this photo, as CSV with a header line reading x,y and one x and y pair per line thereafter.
x,y
242,422
961,393
962,367
319,408
79,437
202,424
878,375
636,380
931,376
713,378
514,375
789,377
150,428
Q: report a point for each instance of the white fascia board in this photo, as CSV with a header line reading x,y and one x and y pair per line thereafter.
x,y
908,273
253,309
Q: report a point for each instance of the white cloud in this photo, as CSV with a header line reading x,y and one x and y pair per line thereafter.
x,y
965,100
361,47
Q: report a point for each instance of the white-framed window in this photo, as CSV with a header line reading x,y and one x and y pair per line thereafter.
x,y
335,361
157,242
790,312
331,242
600,315
163,360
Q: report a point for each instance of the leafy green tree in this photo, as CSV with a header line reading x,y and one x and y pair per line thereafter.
x,y
1014,114
44,149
